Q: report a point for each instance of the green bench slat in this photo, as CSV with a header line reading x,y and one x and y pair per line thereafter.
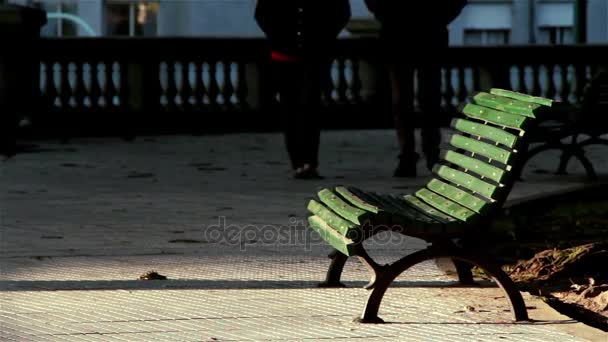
x,y
356,200
465,180
460,196
482,148
475,165
427,209
522,97
365,196
485,131
494,116
344,227
345,210
445,205
331,236
506,104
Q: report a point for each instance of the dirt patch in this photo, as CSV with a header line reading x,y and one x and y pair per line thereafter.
x,y
557,248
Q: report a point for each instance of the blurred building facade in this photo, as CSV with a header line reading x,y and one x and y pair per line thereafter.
x,y
483,22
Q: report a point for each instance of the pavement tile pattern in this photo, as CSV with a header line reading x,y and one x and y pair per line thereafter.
x,y
220,217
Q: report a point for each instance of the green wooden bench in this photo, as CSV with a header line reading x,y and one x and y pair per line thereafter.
x,y
470,184
571,128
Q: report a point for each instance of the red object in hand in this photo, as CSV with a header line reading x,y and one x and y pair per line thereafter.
x,y
281,57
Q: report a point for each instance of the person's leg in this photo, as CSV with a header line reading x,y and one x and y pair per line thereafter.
x,y
402,107
315,81
429,81
286,76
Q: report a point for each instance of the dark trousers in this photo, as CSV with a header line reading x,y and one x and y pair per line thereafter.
x,y
299,86
402,94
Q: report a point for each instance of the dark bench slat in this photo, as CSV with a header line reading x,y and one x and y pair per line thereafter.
x,y
344,227
331,236
342,208
506,104
385,204
465,180
485,131
407,210
396,207
522,97
356,200
460,196
474,165
482,148
495,117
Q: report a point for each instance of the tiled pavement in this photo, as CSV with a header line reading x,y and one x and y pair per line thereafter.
x,y
219,216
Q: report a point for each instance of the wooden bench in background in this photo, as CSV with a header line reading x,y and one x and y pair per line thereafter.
x,y
572,128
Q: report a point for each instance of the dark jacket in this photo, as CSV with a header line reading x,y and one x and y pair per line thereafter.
x,y
302,27
417,21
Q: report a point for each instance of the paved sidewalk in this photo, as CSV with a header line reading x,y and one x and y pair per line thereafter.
x,y
221,218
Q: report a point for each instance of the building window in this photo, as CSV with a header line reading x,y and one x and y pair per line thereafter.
x,y
131,18
58,27
556,35
486,37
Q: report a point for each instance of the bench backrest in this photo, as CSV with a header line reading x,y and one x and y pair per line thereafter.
x,y
475,172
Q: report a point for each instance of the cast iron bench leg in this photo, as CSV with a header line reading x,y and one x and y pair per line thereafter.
x,y
332,279
387,275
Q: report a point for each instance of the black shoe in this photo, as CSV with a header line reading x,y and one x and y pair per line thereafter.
x,y
406,167
307,173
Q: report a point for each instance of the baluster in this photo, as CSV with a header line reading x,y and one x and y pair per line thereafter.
x,y
80,91
449,88
581,81
101,74
342,86
64,86
171,91
476,79
521,79
567,86
214,88
199,85
241,86
42,81
109,89
551,89
162,85
186,90
328,85
50,88
115,81
227,89
462,85
536,86
122,91
356,83
95,88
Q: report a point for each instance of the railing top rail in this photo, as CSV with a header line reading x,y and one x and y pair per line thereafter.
x,y
244,48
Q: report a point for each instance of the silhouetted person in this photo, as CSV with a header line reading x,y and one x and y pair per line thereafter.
x,y
415,32
301,34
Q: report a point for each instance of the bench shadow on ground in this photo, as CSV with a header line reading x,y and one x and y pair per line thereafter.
x,y
530,322
199,284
